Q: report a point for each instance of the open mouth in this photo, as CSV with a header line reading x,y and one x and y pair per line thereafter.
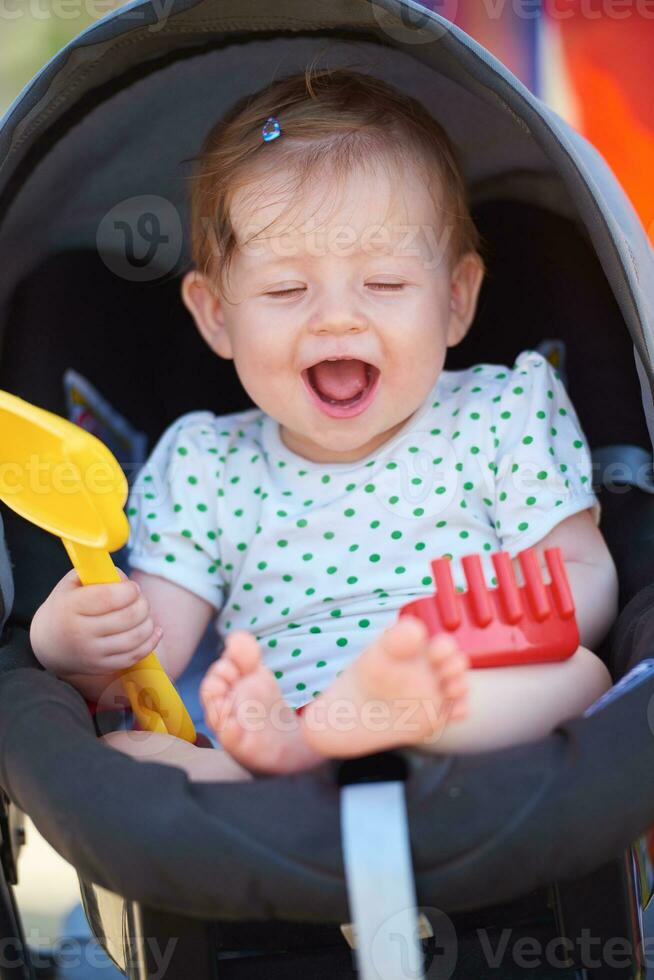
x,y
342,387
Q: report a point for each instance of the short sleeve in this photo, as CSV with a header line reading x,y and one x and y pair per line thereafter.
x,y
173,512
542,465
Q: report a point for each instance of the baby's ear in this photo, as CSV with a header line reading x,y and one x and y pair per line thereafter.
x,y
203,302
467,277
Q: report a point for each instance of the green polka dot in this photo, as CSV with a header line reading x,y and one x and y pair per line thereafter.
x,y
374,524
577,443
282,543
527,441
531,501
369,487
241,546
309,591
396,535
475,415
269,599
315,629
202,508
505,415
418,512
503,495
182,451
420,546
328,535
523,526
518,391
374,557
332,569
562,411
296,653
335,613
468,486
391,466
400,570
155,537
393,499
364,623
170,558
279,674
542,475
325,478
352,579
350,512
287,578
131,511
307,557
540,415
341,642
351,486
187,534
247,586
464,534
427,580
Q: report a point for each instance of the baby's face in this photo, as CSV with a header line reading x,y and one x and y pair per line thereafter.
x,y
339,314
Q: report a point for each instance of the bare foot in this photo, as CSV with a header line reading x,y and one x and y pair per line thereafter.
x,y
244,706
401,690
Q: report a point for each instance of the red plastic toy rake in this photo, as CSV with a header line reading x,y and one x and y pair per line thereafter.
x,y
508,625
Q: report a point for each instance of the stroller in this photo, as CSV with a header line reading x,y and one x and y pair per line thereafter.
x,y
530,861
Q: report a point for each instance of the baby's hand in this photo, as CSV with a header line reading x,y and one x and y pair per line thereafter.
x,y
93,629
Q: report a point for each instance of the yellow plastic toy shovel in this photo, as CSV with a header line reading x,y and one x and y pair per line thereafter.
x,y
66,481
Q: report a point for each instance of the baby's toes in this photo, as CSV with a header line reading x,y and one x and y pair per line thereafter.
x,y
213,685
405,638
243,651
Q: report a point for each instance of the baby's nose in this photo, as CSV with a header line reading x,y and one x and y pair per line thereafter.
x,y
338,322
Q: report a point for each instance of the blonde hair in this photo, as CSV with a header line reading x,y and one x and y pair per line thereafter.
x,y
335,118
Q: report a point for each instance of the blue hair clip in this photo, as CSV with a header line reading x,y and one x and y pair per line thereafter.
x,y
271,129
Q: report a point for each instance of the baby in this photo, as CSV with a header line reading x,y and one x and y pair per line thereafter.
x,y
335,261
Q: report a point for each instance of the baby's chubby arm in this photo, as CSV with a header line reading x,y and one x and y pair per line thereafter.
x,y
592,574
88,634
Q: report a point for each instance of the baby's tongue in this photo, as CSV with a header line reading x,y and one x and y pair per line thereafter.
x,y
339,380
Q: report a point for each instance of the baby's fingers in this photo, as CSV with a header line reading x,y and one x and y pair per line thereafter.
x,y
121,620
96,600
130,640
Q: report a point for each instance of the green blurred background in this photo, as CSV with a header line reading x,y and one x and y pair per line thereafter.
x,y
30,35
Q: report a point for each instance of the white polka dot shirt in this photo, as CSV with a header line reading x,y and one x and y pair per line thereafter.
x,y
317,558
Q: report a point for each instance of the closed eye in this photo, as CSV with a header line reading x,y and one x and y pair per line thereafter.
x,y
286,292
383,286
